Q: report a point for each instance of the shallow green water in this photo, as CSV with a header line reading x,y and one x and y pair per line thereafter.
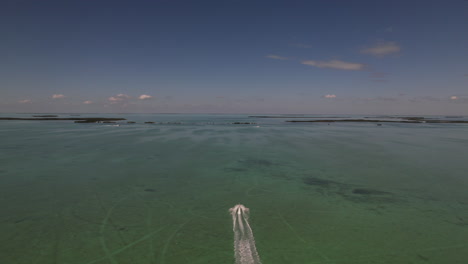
x,y
318,193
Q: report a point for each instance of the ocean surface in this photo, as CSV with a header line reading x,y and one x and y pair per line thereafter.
x,y
339,193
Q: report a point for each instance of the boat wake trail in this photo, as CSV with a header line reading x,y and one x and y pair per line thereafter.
x,y
244,242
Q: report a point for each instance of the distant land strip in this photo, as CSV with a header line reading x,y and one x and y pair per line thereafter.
x,y
297,116
380,121
84,119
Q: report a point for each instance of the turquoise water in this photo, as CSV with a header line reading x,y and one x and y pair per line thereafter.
x,y
160,193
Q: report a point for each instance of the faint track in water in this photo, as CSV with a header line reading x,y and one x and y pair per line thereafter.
x,y
115,252
102,228
103,225
168,242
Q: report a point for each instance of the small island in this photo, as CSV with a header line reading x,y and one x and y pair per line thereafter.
x,y
404,120
45,115
76,119
292,116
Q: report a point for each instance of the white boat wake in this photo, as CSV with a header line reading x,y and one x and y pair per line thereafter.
x,y
245,251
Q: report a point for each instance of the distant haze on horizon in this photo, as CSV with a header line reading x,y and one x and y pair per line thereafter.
x,y
180,56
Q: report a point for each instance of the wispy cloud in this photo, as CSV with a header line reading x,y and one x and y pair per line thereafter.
x,y
123,96
115,99
145,96
118,98
330,96
58,96
87,102
25,101
459,98
335,64
276,57
382,48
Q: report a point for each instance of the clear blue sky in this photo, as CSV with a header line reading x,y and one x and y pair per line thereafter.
x,y
238,56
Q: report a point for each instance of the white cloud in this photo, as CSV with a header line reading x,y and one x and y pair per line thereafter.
x,y
88,102
118,98
25,101
382,48
453,97
335,64
329,96
115,99
145,96
276,57
58,96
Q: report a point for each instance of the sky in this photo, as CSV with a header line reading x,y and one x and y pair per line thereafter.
x,y
237,56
